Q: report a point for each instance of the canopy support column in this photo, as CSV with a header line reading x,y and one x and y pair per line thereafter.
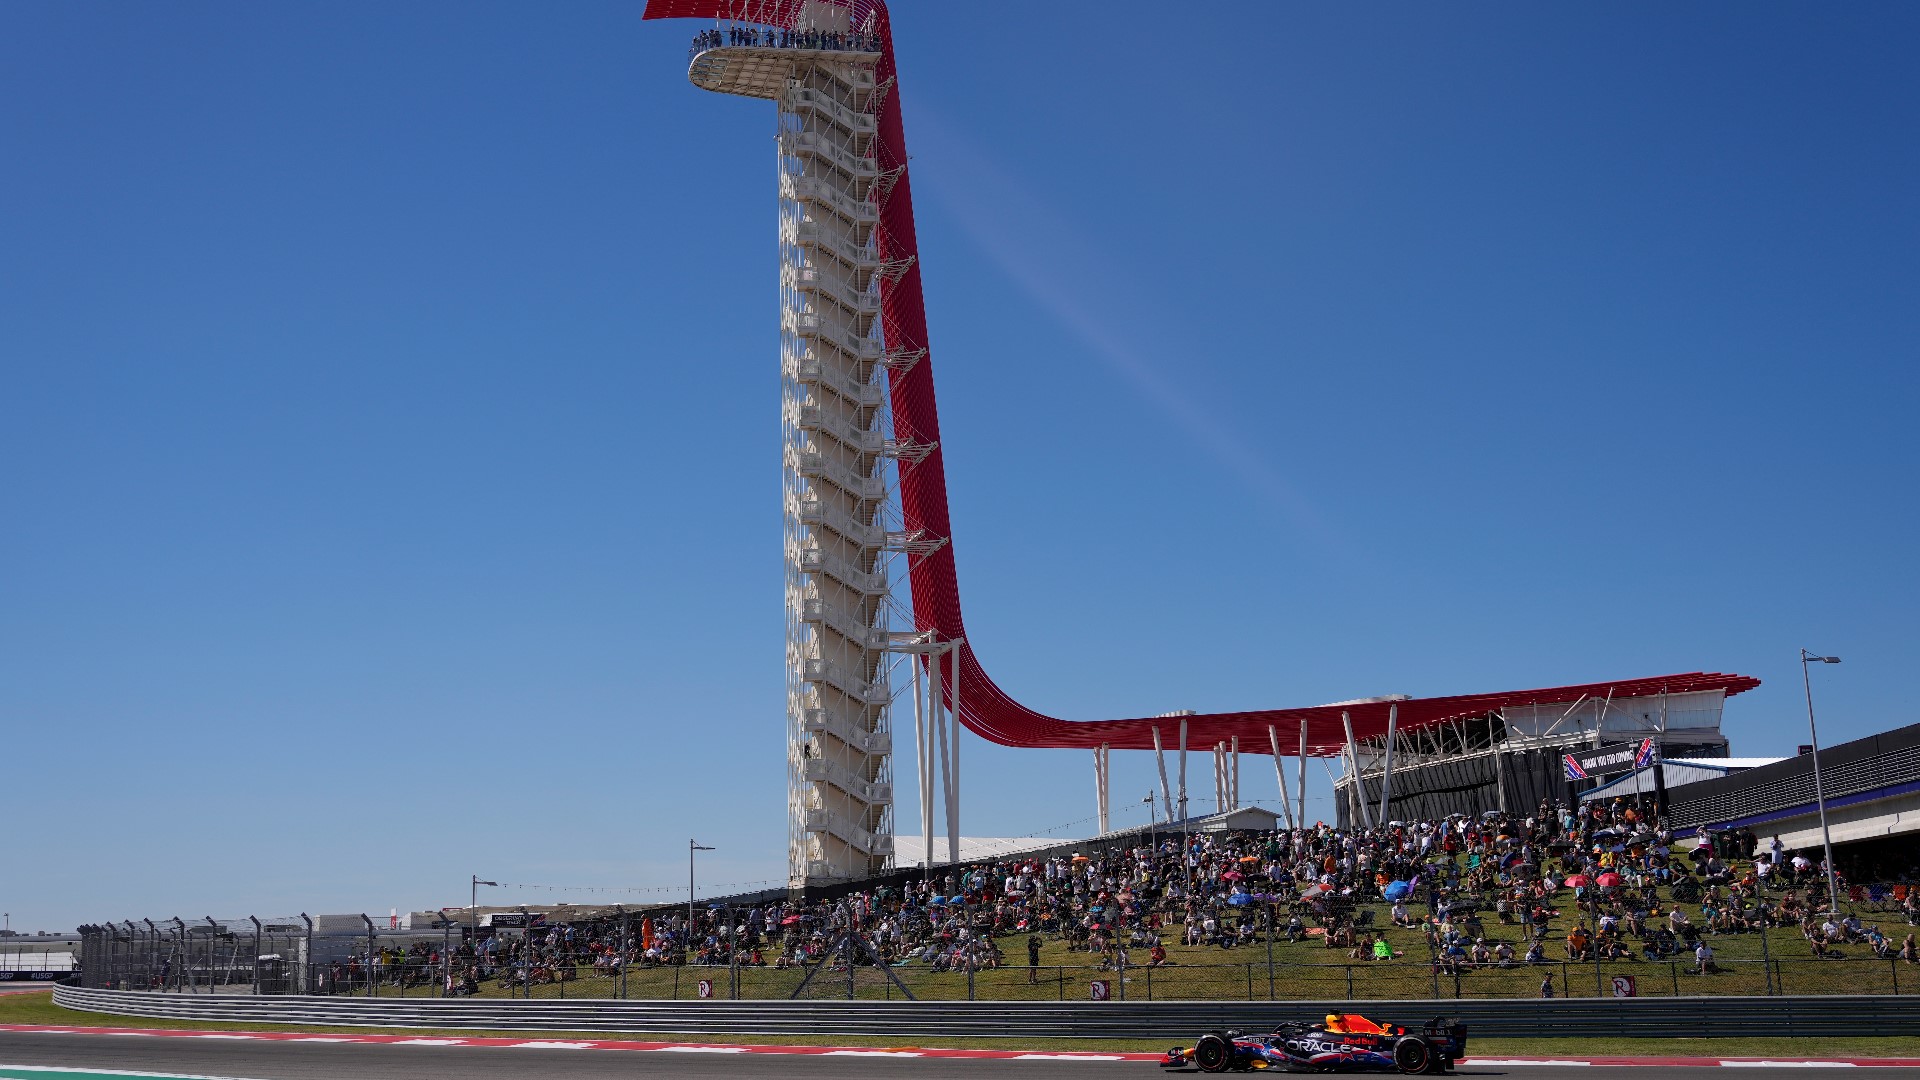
x,y
1160,759
936,712
1357,791
923,760
1100,779
1234,786
953,789
1183,772
1302,793
1280,773
1386,775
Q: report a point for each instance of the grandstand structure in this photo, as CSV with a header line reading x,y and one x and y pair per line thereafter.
x,y
865,486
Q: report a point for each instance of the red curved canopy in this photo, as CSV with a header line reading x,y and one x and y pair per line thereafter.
x,y
984,707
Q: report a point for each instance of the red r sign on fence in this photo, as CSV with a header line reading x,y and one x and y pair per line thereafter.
x,y
706,988
1100,990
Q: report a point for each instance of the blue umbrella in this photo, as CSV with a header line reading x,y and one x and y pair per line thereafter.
x,y
938,900
1239,899
1397,890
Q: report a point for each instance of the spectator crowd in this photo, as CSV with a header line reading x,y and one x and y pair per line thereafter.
x,y
1601,882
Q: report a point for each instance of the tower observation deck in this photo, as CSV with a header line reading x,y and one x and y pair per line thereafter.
x,y
864,474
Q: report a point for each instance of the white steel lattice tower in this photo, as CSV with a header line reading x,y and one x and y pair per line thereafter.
x,y
834,431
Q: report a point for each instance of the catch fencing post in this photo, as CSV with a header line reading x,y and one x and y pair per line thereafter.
x,y
306,962
213,949
1766,957
1269,918
1349,982
180,953
1675,966
256,955
626,947
368,966
1250,983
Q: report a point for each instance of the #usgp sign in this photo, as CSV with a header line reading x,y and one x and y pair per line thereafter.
x,y
1611,758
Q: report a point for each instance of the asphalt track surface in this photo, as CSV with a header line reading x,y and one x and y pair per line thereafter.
x,y
306,1061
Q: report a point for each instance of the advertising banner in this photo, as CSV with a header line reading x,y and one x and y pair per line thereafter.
x,y
1611,758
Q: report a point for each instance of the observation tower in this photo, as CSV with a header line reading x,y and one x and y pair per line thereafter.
x,y
836,441
865,489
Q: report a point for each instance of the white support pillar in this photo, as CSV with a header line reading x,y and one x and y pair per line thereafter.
x,y
939,722
1357,792
923,759
1280,772
1386,775
1183,768
1233,787
1302,794
1160,759
1499,772
1219,777
953,790
1100,788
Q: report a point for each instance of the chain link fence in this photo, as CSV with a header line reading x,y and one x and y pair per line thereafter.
x,y
288,957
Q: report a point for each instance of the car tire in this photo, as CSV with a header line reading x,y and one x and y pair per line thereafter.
x,y
1413,1055
1213,1053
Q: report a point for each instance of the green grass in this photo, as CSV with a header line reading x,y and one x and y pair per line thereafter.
x,y
40,1009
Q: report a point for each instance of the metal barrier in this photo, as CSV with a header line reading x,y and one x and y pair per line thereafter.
x,y
1623,1017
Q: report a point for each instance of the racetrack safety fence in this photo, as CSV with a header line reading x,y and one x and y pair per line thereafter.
x,y
1827,1017
287,957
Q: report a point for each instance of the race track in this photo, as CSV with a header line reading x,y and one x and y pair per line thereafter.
x,y
246,1059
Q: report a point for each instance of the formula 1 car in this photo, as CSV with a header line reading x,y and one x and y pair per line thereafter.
x,y
1345,1042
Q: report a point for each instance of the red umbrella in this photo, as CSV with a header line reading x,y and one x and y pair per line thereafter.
x,y
790,920
1231,875
1577,881
1607,880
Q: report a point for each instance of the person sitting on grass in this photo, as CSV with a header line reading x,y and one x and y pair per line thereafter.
x,y
1536,952
1578,941
1384,951
1703,959
1158,956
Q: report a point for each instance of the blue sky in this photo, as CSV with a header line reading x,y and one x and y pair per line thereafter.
x,y
391,453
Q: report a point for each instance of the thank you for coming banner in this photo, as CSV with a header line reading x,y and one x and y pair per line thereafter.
x,y
1611,758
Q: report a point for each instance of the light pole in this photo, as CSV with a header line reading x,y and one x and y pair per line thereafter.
x,y
1153,813
473,903
1819,793
692,846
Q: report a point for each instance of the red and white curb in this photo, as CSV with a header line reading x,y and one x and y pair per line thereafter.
x,y
891,1052
586,1044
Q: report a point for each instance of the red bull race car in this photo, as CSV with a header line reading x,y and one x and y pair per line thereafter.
x,y
1344,1042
